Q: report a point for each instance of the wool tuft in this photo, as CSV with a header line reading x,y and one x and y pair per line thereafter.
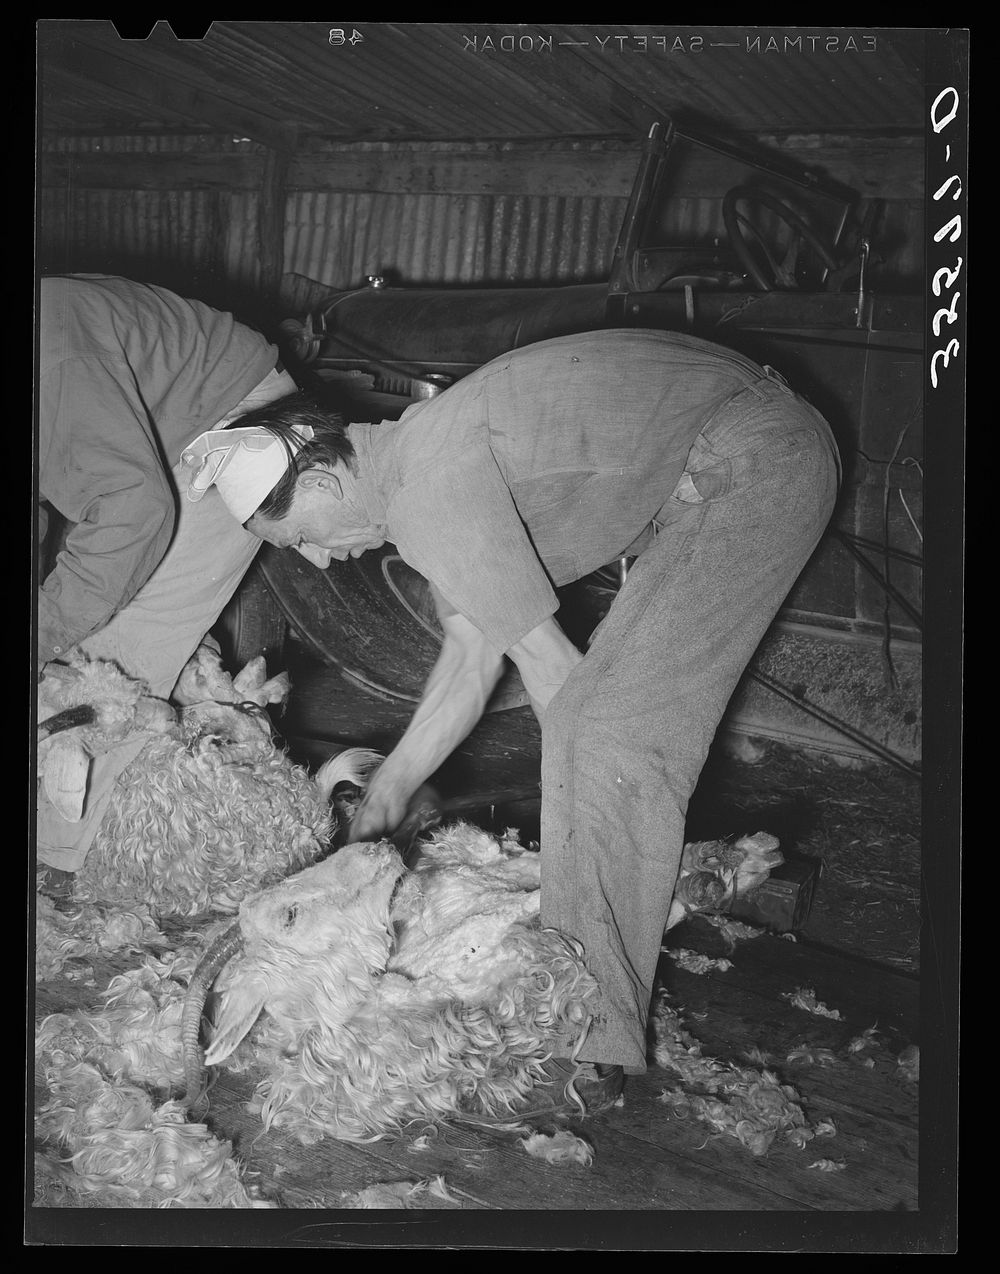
x,y
86,930
867,1039
805,998
908,1064
108,1140
732,931
560,1147
736,1101
108,1132
695,962
137,1032
713,874
401,1194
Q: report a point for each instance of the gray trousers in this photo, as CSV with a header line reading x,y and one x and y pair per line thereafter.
x,y
625,739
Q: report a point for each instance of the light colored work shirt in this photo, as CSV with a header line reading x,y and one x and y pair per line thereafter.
x,y
541,466
129,373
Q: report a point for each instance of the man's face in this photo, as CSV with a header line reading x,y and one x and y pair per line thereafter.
x,y
321,524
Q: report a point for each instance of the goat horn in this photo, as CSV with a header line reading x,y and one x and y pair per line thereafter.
x,y
68,719
221,951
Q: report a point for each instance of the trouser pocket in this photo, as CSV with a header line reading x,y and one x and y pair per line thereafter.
x,y
706,476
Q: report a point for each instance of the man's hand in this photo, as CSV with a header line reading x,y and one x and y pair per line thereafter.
x,y
382,819
380,813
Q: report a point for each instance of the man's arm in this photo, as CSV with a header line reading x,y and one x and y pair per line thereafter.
x,y
100,467
456,693
102,567
459,685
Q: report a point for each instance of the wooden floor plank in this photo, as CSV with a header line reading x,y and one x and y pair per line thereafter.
x,y
327,1173
873,1109
489,1167
730,1011
880,1170
843,1083
864,994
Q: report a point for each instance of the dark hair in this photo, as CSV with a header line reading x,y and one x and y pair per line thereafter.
x,y
329,445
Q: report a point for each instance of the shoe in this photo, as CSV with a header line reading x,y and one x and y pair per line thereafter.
x,y
572,1088
575,1088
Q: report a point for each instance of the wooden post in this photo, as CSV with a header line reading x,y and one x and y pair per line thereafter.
x,y
271,221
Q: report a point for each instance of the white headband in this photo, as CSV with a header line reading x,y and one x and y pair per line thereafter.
x,y
244,465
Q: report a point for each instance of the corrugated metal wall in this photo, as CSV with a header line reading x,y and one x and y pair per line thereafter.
x,y
337,237
176,228
340,238
148,143
204,240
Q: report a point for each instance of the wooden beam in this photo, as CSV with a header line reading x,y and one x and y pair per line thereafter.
x,y
569,174
158,95
90,170
428,172
889,169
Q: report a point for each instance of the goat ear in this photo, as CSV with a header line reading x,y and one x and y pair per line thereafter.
x,y
241,1005
64,778
251,677
252,683
203,677
276,690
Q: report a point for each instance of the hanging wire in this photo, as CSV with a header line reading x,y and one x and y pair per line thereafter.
x,y
890,667
850,543
919,468
861,542
902,500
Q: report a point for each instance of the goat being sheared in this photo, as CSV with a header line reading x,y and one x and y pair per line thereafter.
x,y
208,811
391,994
